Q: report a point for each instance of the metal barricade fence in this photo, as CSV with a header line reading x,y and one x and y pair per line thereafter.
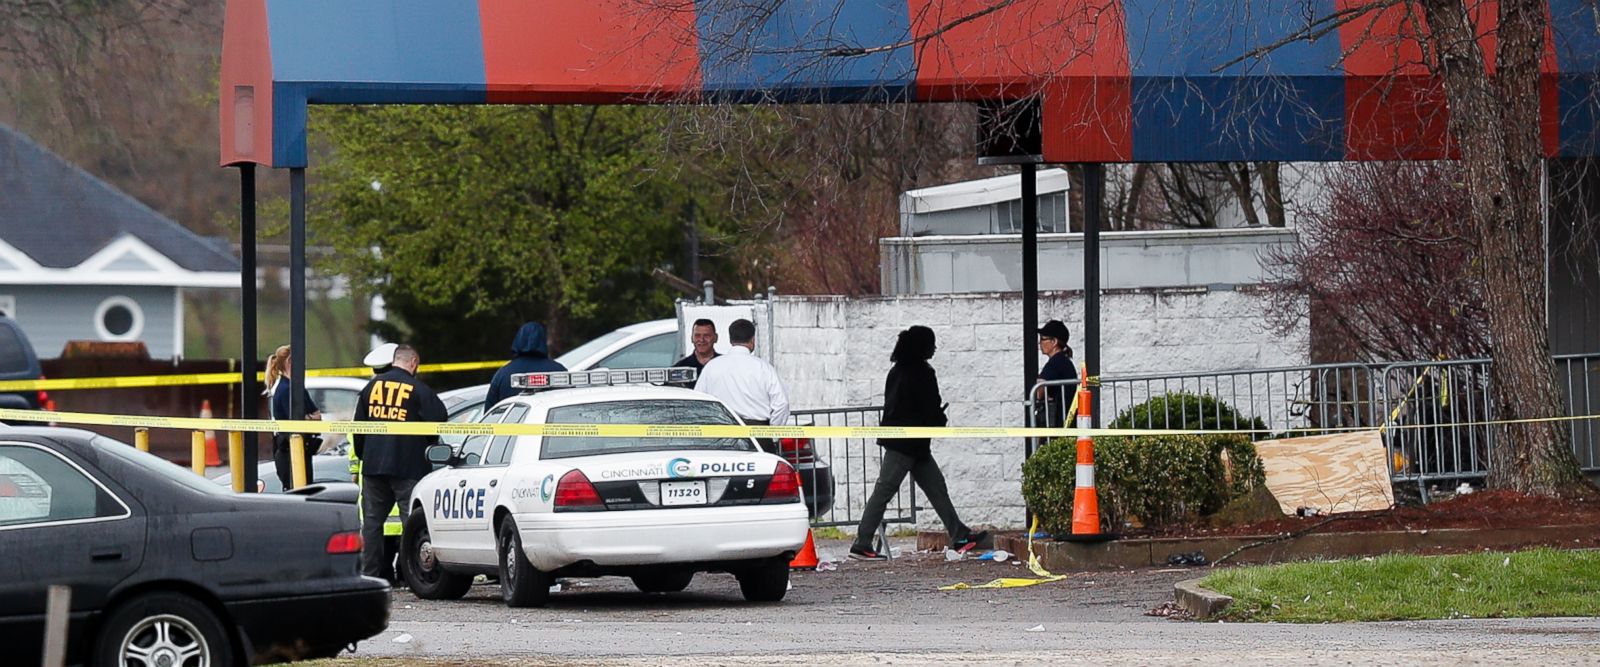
x,y
1299,400
852,464
1420,395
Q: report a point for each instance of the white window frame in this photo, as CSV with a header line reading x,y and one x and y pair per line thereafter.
x,y
134,332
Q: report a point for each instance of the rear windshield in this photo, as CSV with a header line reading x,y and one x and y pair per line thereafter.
x,y
639,412
172,472
13,353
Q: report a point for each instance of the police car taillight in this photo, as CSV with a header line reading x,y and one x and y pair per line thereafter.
x,y
784,487
536,381
574,493
348,542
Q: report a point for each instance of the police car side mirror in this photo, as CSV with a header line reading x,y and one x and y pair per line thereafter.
x,y
441,454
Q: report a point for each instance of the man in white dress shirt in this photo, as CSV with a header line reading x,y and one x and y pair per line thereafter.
x,y
746,383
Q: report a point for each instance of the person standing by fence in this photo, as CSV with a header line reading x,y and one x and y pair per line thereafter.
x,y
1050,408
911,398
278,366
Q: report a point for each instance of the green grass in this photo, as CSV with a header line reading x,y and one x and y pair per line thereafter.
x,y
1543,582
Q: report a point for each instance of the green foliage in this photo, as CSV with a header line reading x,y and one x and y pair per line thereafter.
x,y
485,217
1186,412
1160,480
1544,582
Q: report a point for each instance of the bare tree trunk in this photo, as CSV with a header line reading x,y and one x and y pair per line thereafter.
x,y
1141,176
1272,193
1495,123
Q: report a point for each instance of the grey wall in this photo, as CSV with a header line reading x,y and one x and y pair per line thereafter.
x,y
1128,260
834,352
53,315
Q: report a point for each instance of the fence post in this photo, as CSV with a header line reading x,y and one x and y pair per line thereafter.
x,y
197,452
236,460
297,459
57,611
141,439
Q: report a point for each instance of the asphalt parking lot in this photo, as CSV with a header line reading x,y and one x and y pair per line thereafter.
x,y
892,613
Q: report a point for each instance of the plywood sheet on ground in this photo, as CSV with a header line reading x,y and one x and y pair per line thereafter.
x,y
1345,472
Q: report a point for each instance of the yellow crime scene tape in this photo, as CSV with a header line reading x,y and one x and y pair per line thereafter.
x,y
189,379
675,430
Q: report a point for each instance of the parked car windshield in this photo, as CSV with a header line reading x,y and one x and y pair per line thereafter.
x,y
155,464
589,349
639,412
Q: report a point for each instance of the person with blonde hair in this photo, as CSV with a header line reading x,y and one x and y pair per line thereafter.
x,y
278,399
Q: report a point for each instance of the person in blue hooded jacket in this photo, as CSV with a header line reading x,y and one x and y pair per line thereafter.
x,y
530,354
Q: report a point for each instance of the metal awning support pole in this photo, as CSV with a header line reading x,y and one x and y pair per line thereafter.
x,y
1030,280
297,292
1094,176
249,396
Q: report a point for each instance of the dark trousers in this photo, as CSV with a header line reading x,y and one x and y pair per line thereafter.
x,y
285,466
768,445
379,494
925,472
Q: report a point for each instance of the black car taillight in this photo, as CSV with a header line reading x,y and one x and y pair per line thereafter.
x,y
575,493
797,450
784,487
348,542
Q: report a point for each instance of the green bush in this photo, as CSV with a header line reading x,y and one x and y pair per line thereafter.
x,y
1160,480
1186,412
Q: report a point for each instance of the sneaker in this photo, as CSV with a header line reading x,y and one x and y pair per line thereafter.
x,y
858,553
971,541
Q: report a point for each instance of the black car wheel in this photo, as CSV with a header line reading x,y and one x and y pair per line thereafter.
x,y
663,582
424,574
765,580
521,584
165,629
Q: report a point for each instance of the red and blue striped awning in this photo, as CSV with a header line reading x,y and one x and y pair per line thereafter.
x,y
1119,80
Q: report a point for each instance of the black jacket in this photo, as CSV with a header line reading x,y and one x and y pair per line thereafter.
x,y
396,396
531,355
911,398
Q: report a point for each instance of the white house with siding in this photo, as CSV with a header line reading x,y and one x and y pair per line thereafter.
x,y
82,260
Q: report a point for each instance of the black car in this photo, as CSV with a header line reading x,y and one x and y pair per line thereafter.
x,y
168,568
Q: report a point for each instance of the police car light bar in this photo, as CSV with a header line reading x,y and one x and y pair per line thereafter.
x,y
603,378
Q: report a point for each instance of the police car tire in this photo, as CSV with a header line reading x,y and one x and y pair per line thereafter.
x,y
663,582
521,584
765,581
183,620
437,584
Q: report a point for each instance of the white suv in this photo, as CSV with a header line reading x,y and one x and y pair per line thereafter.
x,y
528,509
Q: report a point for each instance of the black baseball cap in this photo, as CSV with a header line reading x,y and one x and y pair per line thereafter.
x,y
1055,329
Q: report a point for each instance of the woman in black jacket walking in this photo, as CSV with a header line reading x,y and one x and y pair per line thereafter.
x,y
911,398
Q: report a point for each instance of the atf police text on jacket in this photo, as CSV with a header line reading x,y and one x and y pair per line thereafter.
x,y
396,396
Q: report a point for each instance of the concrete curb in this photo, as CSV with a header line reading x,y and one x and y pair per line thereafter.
x,y
1198,600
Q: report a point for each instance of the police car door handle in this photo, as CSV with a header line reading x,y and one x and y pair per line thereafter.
x,y
494,482
461,483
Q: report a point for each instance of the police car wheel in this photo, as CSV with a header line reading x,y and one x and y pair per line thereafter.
x,y
521,584
164,629
424,574
765,580
663,582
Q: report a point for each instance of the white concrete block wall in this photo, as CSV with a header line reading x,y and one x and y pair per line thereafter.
x,y
834,352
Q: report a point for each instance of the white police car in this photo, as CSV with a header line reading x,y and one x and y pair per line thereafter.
x,y
528,509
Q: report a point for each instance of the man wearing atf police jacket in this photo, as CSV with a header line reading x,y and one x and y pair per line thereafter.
x,y
391,465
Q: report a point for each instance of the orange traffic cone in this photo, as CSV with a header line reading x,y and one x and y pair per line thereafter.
x,y
807,558
212,457
1085,500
